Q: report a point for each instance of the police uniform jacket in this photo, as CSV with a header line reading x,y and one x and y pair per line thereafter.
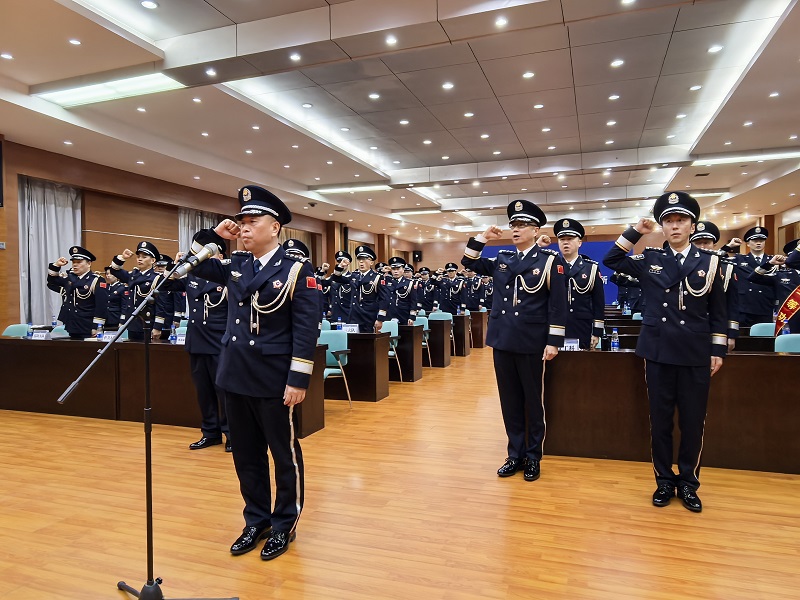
x,y
793,260
731,285
369,297
452,294
530,298
208,313
402,299
489,294
85,300
273,322
340,294
165,310
139,285
784,281
427,292
585,299
476,293
116,297
620,281
754,298
686,318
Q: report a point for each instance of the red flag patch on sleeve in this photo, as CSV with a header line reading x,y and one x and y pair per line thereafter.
x,y
311,282
560,270
102,285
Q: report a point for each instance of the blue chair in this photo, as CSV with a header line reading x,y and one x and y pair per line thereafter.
x,y
59,332
426,333
444,316
326,325
483,309
179,330
788,343
184,323
763,330
636,317
336,356
392,328
16,330
420,313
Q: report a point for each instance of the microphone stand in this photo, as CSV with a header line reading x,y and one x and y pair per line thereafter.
x,y
145,311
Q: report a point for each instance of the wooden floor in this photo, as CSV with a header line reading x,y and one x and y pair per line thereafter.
x,y
402,501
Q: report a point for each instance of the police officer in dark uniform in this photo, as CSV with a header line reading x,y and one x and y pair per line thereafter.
x,y
341,294
476,293
426,291
620,280
756,301
84,294
707,234
783,279
139,282
116,296
488,286
526,329
585,293
682,340
165,302
452,291
208,318
266,363
368,290
402,294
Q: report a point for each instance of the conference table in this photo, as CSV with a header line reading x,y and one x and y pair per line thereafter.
x,y
439,344
461,330
367,369
36,372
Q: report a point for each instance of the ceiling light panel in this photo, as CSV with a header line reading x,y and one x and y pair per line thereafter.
x,y
553,71
643,58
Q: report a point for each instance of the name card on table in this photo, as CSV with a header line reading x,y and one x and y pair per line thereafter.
x,y
350,327
181,339
108,336
41,334
571,345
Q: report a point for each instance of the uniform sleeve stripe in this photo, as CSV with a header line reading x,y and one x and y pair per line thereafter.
x,y
556,330
599,324
625,243
719,339
300,365
733,325
470,253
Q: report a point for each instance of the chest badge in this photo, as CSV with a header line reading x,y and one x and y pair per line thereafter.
x,y
701,273
502,266
235,275
277,284
536,271
656,269
584,276
219,288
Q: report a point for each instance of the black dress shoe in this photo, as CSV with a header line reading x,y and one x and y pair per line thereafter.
x,y
663,495
511,466
205,442
531,472
228,445
249,539
690,499
277,543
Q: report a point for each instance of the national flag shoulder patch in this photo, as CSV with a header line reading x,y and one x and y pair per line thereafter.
x,y
311,282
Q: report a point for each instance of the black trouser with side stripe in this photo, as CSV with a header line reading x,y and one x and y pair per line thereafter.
x,y
210,398
519,382
685,388
258,425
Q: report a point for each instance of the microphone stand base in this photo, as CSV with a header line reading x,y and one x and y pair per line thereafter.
x,y
152,591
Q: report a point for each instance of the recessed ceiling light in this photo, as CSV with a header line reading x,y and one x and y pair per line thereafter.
x,y
295,57
538,106
141,109
344,129
445,158
404,122
628,1
744,172
649,180
286,166
485,192
694,88
374,96
149,4
545,129
139,162
373,147
307,105
524,189
6,55
664,164
504,177
551,147
528,74
496,152
639,203
611,123
356,175
605,183
447,85
562,177
792,194
714,49
774,95
501,22
305,208
563,186
198,100
330,162
747,124
316,178
456,181
248,151
295,146
75,42
793,137
609,142
211,72
774,203
395,162
603,206
476,183
349,220
391,40
617,62
484,136
670,136
427,142
196,177
204,134
680,116
727,143
469,114
614,97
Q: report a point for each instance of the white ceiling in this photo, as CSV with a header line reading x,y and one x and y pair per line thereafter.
x,y
614,155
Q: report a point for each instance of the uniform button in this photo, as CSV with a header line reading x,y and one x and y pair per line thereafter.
x,y
204,322
667,290
665,305
241,303
252,342
194,310
237,320
502,312
508,287
685,293
516,314
683,322
192,320
505,299
662,318
571,310
234,337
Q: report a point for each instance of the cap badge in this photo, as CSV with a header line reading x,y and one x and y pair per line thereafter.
x,y
361,248
673,198
290,243
565,222
73,251
758,229
701,227
246,194
518,205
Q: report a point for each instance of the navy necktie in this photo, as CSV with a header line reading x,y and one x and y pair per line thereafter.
x,y
256,266
679,259
521,255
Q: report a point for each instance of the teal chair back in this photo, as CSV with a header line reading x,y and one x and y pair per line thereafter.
x,y
636,317
326,325
788,343
184,323
179,330
335,340
16,330
763,330
440,316
424,322
420,313
392,329
483,309
59,331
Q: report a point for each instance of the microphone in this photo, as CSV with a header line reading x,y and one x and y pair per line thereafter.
x,y
193,260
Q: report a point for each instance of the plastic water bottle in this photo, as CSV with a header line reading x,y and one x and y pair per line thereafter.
x,y
54,322
458,310
785,330
626,310
339,324
775,316
173,335
99,333
29,334
614,340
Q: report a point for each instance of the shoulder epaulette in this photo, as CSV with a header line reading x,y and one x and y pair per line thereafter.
x,y
225,261
589,260
712,252
506,252
653,249
240,253
549,251
634,257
